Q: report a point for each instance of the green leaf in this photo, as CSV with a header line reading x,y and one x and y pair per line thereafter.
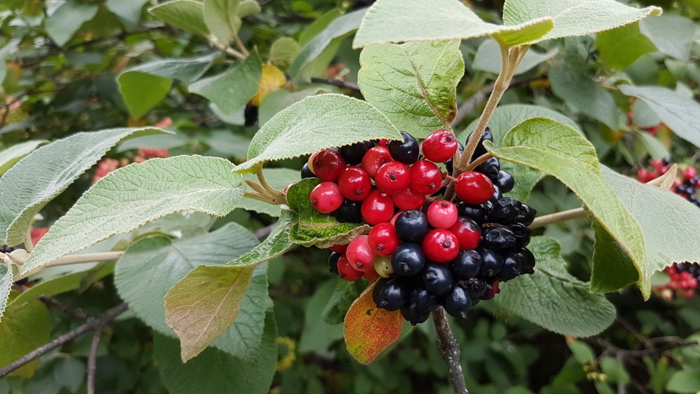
x,y
185,70
678,113
137,194
25,326
664,218
188,15
248,7
583,354
215,371
574,17
128,10
283,52
622,46
13,154
614,370
336,31
554,299
276,244
317,26
672,34
413,84
314,228
318,335
561,151
283,98
67,19
69,373
317,123
48,171
398,20
204,304
343,296
141,91
584,95
278,178
7,274
684,381
488,58
221,17
505,118
232,89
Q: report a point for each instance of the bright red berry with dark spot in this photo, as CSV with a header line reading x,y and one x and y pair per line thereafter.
x,y
383,239
690,173
375,158
425,177
377,208
474,187
408,199
326,197
440,246
346,271
327,164
354,183
442,214
468,233
392,177
657,163
440,146
359,253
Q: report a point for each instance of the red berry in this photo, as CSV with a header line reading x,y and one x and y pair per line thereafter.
x,y
440,246
377,208
468,233
286,189
425,177
346,271
442,214
326,197
440,146
327,164
690,173
338,248
474,187
408,199
644,175
664,169
360,254
657,163
354,183
392,177
375,158
370,274
383,239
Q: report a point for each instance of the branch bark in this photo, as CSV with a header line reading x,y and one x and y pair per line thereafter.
x,y
92,361
336,82
449,351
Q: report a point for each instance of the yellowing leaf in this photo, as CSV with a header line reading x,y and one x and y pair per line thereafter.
x,y
368,329
272,79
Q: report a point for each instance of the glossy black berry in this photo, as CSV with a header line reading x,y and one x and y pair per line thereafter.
x,y
474,212
349,212
490,168
391,294
504,181
498,238
333,262
527,261
408,259
250,114
475,287
405,151
6,249
496,194
480,150
354,153
491,262
423,301
526,214
511,267
522,235
306,172
412,226
457,302
437,278
467,265
505,210
414,316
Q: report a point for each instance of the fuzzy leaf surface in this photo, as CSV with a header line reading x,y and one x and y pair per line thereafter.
x,y
672,34
553,298
488,58
15,153
276,244
45,173
221,18
317,123
188,15
620,47
6,281
137,194
413,84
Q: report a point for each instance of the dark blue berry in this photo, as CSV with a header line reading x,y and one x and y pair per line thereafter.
x,y
354,153
457,302
498,238
526,214
475,287
391,294
505,210
349,212
511,267
467,264
306,172
422,301
408,259
490,168
491,262
333,262
437,278
474,212
412,226
405,151
527,261
504,181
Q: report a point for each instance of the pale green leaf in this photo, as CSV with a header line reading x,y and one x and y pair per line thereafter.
x,y
48,171
318,335
283,52
278,178
128,10
185,70
316,123
7,274
204,304
684,381
248,7
215,371
69,373
678,113
276,244
221,17
620,47
574,17
317,26
553,298
142,91
583,354
25,327
488,58
344,294
67,19
413,84
232,89
672,34
561,151
13,154
283,98
614,370
137,194
188,15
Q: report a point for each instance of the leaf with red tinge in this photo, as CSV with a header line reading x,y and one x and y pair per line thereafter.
x,y
368,329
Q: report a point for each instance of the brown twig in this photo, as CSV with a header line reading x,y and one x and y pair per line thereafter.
x,y
92,361
577,213
336,82
449,351
53,303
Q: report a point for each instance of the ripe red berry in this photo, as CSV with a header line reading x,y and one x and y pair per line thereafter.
x,y
657,163
440,146
392,177
326,197
354,183
327,164
375,158
468,233
440,246
346,271
359,253
370,274
383,239
690,173
338,248
377,208
408,199
644,175
442,214
474,187
425,177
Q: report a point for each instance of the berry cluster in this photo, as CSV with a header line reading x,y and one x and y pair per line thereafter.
x,y
427,250
685,186
683,280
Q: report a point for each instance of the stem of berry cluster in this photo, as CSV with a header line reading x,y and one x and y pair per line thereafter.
x,y
449,351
